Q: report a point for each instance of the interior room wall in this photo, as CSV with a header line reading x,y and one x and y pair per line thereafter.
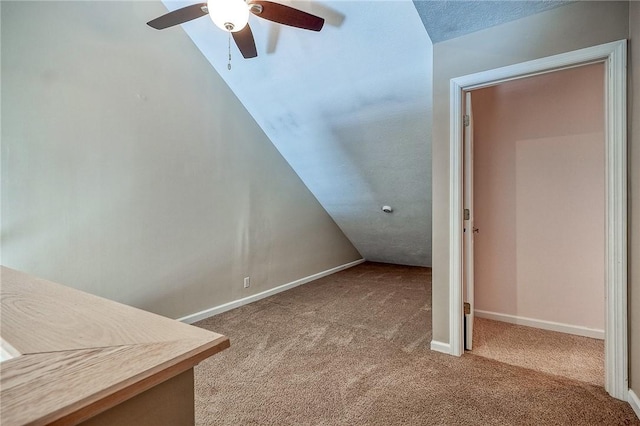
x,y
131,171
575,26
634,196
539,174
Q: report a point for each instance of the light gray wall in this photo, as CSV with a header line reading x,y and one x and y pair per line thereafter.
x,y
564,29
131,171
634,198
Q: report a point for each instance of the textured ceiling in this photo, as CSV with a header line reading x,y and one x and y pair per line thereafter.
x,y
350,107
449,19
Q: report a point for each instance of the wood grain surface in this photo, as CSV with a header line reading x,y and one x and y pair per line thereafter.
x,y
42,316
82,354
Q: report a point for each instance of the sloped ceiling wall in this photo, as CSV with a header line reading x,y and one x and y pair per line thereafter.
x,y
349,108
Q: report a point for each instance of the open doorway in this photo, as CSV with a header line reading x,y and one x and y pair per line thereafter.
x,y
613,56
535,233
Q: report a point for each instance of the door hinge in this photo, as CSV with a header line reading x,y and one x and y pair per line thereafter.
x,y
467,308
467,214
466,120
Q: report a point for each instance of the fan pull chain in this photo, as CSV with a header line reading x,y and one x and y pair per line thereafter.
x,y
229,65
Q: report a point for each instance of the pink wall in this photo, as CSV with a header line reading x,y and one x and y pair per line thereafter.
x,y
539,197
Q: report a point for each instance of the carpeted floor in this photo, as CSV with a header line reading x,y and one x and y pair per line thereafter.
x,y
566,355
353,348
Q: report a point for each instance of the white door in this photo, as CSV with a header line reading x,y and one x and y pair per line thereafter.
x,y
469,229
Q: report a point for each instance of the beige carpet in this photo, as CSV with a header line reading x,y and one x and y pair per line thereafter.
x,y
574,357
353,349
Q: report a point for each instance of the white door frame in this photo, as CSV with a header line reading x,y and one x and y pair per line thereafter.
x,y
614,57
468,237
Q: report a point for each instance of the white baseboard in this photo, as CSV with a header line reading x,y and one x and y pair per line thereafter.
x,y
634,401
436,346
545,325
199,316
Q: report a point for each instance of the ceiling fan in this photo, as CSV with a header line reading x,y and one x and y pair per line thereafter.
x,y
233,16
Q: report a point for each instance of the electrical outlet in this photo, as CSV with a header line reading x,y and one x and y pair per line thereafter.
x,y
247,282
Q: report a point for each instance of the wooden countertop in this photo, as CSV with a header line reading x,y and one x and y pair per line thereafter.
x,y
82,354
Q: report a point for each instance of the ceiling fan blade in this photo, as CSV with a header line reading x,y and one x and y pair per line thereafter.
x,y
179,16
286,15
245,42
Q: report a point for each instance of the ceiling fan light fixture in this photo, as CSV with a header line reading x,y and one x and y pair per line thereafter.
x,y
229,15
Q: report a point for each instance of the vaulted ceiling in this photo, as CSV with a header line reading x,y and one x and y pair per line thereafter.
x,y
349,107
